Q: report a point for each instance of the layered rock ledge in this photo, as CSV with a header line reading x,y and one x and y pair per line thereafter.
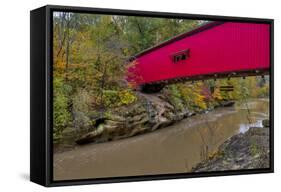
x,y
154,111
249,150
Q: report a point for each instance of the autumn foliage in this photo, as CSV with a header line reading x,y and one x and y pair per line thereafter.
x,y
90,62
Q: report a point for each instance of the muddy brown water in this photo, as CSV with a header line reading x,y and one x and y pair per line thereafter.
x,y
174,149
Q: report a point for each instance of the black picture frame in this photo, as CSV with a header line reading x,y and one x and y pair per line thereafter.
x,y
41,146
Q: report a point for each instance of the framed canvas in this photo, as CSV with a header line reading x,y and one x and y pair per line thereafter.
x,y
125,95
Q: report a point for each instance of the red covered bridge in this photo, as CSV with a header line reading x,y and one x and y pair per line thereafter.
x,y
214,50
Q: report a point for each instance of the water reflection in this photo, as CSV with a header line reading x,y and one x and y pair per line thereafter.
x,y
245,127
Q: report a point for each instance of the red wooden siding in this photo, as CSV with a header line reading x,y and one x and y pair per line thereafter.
x,y
226,47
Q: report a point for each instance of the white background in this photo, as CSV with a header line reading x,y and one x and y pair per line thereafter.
x,y
14,95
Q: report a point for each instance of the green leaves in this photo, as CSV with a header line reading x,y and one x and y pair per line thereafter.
x,y
61,113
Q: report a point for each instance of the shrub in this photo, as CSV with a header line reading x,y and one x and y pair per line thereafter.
x,y
175,97
126,97
81,109
114,98
193,96
263,91
61,114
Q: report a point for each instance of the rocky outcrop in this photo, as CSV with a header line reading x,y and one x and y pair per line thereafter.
x,y
243,151
151,113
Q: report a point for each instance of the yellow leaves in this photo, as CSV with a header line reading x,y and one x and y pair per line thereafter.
x,y
59,64
217,95
126,51
126,97
192,95
114,98
264,91
199,101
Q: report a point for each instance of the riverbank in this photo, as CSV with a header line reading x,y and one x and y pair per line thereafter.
x,y
249,150
151,112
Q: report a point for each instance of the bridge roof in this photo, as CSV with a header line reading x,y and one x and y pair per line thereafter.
x,y
199,29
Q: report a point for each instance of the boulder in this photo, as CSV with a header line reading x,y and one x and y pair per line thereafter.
x,y
91,136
